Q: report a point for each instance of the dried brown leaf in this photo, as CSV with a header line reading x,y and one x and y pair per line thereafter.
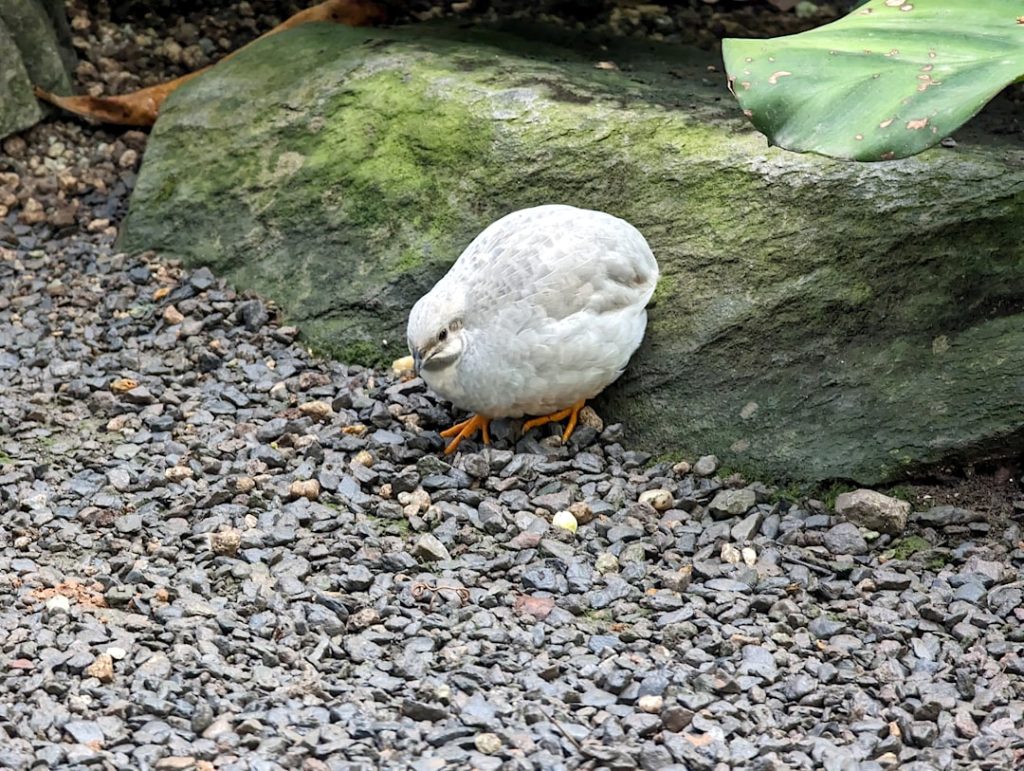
x,y
141,108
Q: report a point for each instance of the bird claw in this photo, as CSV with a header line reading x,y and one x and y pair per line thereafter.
x,y
572,412
466,430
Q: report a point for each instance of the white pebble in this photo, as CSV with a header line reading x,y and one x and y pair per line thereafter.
x,y
58,604
659,499
487,743
730,554
651,704
749,556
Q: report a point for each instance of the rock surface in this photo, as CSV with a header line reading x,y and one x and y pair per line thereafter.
x,y
35,48
874,510
814,318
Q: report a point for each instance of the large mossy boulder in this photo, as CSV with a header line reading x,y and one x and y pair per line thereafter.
x,y
35,49
814,320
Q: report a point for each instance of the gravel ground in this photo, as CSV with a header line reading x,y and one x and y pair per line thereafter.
x,y
218,551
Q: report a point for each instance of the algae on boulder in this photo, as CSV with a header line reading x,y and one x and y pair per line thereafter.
x,y
815,319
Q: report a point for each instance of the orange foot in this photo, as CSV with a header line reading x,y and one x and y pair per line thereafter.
x,y
572,412
466,430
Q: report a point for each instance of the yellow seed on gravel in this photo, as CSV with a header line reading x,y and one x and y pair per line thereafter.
x,y
565,520
357,429
402,366
123,385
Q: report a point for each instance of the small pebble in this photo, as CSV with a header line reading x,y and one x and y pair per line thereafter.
x,y
565,521
659,499
172,316
487,743
102,668
318,410
178,473
305,488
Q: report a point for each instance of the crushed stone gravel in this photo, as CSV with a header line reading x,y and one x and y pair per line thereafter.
x,y
218,551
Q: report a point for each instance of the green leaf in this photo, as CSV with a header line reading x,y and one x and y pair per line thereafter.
x,y
888,81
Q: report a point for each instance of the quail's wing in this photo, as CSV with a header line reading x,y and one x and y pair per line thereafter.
x,y
557,261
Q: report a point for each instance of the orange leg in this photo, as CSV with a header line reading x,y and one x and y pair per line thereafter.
x,y
572,412
466,430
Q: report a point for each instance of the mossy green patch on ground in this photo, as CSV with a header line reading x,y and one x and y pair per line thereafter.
x,y
672,456
908,546
790,492
937,561
399,527
900,492
357,352
829,494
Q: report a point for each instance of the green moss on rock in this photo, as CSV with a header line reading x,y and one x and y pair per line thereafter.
x,y
909,546
815,319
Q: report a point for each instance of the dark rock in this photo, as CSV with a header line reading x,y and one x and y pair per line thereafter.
x,y
491,136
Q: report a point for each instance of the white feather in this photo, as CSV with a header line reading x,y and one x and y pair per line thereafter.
x,y
552,301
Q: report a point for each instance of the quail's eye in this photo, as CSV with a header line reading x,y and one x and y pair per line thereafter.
x,y
442,335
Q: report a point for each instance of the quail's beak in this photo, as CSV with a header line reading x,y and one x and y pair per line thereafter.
x,y
417,360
